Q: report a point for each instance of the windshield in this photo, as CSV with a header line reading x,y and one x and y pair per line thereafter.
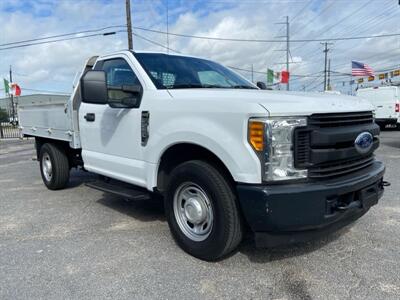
x,y
178,72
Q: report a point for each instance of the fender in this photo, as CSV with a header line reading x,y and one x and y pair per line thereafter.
x,y
227,142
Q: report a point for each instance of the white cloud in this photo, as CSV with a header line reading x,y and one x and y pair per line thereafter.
x,y
53,66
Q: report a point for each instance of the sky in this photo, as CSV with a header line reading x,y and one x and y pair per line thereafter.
x,y
52,67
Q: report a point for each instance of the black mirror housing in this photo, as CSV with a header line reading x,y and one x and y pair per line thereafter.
x,y
261,85
94,87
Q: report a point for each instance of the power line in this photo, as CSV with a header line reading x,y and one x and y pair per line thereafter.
x,y
155,43
315,18
61,40
368,21
194,36
351,14
329,27
62,35
267,40
232,67
302,10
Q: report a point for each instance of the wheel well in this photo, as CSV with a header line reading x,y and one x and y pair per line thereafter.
x,y
74,155
180,153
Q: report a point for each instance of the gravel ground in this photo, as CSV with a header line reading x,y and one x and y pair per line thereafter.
x,y
79,243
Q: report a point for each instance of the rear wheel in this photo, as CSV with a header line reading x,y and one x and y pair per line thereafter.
x,y
202,211
54,166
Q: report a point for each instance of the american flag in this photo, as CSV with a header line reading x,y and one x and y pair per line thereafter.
x,y
360,69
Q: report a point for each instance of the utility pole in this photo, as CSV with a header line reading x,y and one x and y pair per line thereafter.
x,y
287,50
329,75
167,26
326,50
129,23
252,73
12,99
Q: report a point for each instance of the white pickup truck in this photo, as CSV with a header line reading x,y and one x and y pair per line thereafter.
x,y
225,155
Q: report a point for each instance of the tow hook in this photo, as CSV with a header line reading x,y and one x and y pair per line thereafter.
x,y
385,183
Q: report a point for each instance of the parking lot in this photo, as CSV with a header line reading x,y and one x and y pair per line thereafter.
x,y
81,243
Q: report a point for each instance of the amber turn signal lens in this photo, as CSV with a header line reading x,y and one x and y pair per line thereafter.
x,y
256,135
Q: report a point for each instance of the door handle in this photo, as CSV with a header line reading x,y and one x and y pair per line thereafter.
x,y
90,117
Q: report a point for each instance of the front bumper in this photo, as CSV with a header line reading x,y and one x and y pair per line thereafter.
x,y
290,213
391,121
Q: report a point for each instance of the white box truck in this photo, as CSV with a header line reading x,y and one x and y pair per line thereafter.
x,y
386,100
225,156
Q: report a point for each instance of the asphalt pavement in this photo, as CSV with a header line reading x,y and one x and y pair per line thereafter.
x,y
80,243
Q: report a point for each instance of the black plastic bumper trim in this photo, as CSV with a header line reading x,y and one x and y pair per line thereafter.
x,y
307,208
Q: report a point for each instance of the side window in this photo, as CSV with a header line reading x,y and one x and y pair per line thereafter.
x,y
119,74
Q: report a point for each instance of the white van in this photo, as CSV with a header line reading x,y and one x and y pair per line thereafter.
x,y
386,102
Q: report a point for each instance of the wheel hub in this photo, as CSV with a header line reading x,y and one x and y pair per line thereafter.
x,y
47,167
195,210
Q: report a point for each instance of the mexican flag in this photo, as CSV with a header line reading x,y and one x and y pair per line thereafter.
x,y
11,88
281,77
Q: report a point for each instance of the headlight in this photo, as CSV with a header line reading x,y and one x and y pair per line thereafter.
x,y
276,153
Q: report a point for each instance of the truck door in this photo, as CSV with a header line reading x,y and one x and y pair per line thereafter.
x,y
111,137
385,102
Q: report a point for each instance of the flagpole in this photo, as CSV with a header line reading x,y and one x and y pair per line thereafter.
x,y
12,99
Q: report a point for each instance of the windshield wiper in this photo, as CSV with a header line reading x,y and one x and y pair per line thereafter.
x,y
187,86
196,86
214,86
244,87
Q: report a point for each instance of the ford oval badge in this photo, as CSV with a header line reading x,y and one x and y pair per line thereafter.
x,y
363,142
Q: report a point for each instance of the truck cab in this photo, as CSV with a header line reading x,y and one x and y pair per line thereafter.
x,y
225,156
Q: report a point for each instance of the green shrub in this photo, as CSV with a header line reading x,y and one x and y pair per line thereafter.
x,y
3,115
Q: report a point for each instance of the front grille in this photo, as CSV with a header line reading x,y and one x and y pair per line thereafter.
x,y
341,119
302,142
326,146
340,167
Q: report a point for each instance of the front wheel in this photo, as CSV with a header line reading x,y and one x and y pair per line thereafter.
x,y
54,166
202,211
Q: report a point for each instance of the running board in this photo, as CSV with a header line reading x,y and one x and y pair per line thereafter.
x,y
120,189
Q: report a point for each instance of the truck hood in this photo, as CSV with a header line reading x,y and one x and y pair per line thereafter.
x,y
279,103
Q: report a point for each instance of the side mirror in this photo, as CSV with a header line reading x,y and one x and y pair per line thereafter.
x,y
262,85
94,87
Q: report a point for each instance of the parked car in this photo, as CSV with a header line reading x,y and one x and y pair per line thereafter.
x,y
225,155
386,100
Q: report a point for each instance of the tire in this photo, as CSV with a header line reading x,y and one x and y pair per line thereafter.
x,y
54,157
198,184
